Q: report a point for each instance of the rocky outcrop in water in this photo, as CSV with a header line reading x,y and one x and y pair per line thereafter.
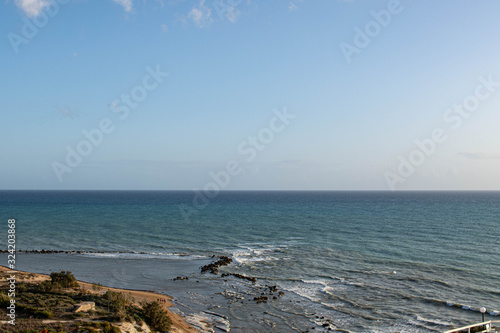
x,y
180,278
214,267
52,251
240,276
268,294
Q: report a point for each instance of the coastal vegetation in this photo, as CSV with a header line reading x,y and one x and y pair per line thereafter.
x,y
155,317
51,306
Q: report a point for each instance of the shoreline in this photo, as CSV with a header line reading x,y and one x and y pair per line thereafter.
x,y
179,325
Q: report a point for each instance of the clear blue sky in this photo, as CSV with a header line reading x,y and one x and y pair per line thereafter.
x,y
228,68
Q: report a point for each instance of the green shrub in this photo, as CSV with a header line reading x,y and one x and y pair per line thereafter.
x,y
118,304
26,309
108,328
4,299
96,286
156,317
64,279
90,329
43,314
21,287
45,287
137,318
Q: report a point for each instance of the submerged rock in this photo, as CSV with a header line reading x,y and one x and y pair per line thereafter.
x,y
180,278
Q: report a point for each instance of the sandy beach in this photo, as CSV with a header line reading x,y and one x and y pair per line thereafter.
x,y
178,323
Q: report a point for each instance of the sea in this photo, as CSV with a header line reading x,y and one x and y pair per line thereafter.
x,y
326,261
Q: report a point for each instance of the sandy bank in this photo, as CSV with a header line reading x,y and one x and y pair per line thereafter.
x,y
178,324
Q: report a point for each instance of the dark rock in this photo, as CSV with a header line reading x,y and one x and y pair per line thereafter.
x,y
260,299
214,267
180,278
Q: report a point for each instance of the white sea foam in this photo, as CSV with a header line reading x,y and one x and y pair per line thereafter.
x,y
326,287
151,255
310,293
256,252
322,282
434,321
334,306
313,290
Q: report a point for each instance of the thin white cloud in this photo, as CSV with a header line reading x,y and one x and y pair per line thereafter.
x,y
164,28
201,15
32,7
292,6
126,4
479,155
161,2
232,14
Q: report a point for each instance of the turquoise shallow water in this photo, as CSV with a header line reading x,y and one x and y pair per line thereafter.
x,y
369,261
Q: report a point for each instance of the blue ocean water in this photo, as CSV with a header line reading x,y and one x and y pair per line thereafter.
x,y
364,261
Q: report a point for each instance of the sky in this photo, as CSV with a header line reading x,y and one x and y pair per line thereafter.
x,y
249,95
